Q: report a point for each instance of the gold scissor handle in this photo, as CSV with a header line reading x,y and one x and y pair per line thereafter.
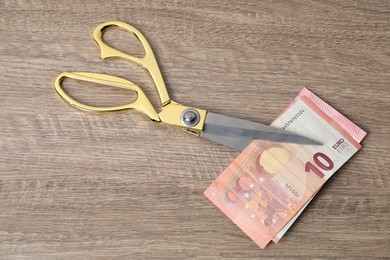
x,y
148,61
141,104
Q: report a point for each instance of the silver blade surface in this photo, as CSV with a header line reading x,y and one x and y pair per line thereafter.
x,y
238,134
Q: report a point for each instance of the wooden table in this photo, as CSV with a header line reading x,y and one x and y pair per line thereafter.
x,y
75,185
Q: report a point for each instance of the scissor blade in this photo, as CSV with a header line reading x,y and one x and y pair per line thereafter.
x,y
236,143
238,133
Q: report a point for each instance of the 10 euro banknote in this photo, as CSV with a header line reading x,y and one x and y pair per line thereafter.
x,y
352,129
269,182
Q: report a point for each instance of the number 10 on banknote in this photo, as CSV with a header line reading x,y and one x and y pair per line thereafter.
x,y
269,182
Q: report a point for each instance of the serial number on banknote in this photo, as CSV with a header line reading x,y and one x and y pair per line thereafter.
x,y
293,119
292,190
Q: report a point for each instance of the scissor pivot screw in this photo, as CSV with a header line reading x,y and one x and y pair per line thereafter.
x,y
190,117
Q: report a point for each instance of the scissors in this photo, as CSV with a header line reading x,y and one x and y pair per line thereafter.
x,y
232,132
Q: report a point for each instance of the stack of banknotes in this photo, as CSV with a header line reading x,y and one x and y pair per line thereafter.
x,y
265,189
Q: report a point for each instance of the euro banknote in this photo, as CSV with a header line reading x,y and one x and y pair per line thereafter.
x,y
269,182
352,129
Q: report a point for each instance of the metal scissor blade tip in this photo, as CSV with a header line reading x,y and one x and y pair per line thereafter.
x,y
315,142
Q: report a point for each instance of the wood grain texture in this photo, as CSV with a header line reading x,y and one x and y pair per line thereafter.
x,y
75,185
